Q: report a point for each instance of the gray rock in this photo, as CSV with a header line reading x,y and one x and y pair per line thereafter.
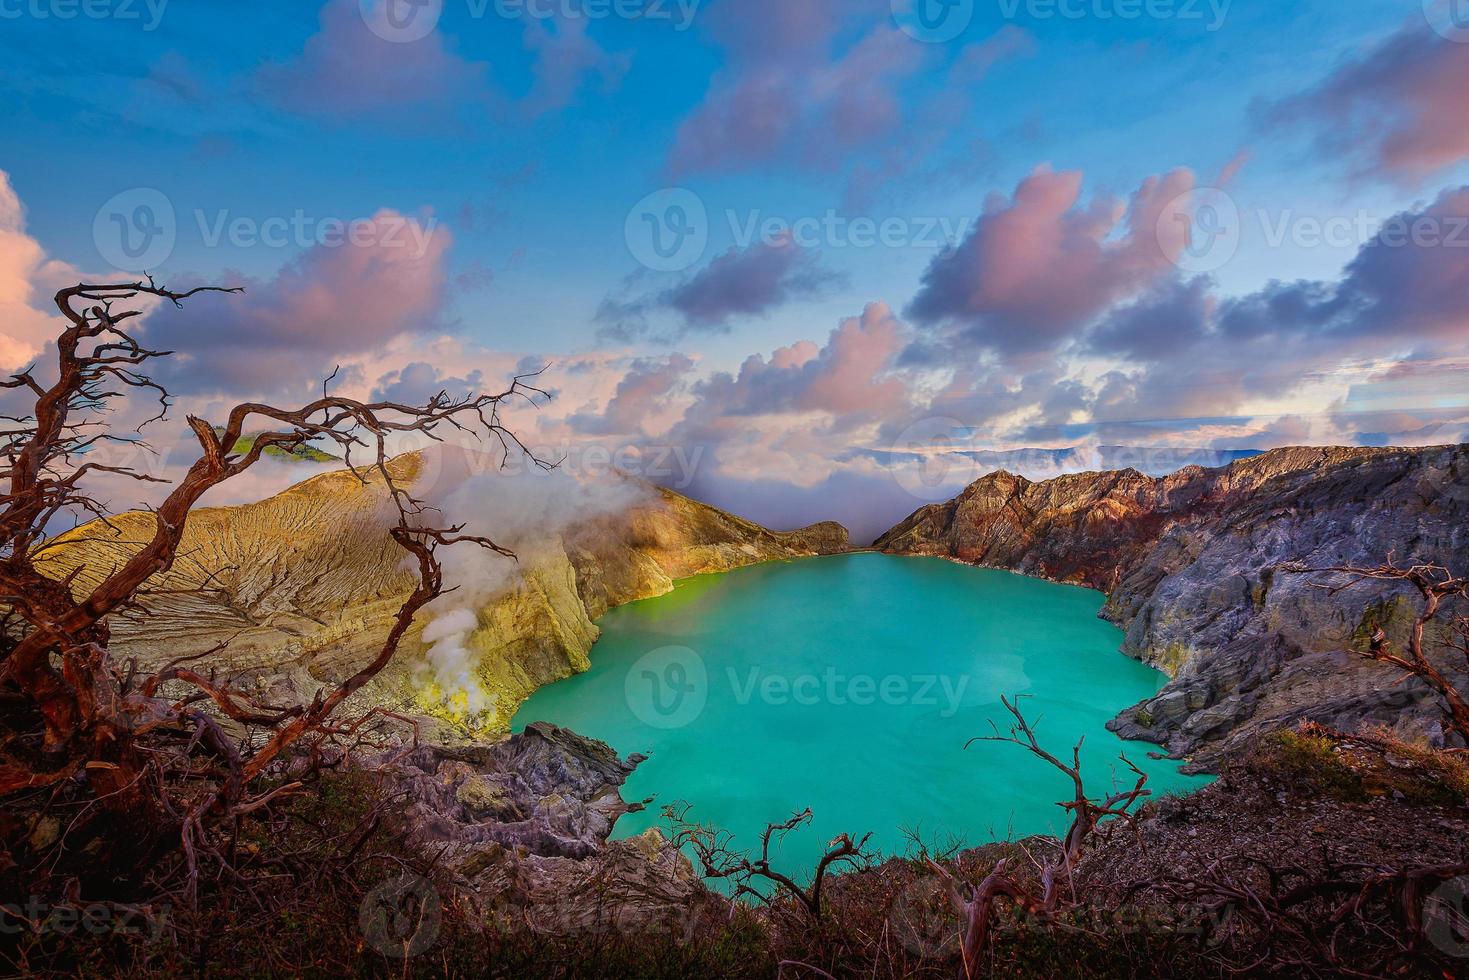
x,y
1197,568
522,826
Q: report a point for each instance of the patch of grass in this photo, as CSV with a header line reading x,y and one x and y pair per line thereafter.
x,y
1395,615
1308,763
1313,760
1421,774
307,454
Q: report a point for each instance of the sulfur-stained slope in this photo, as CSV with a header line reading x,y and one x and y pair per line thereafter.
x,y
302,586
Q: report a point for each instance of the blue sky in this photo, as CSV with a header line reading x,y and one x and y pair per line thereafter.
x,y
526,140
1118,98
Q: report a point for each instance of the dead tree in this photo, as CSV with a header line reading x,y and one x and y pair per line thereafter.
x,y
1437,586
1359,918
718,859
73,719
976,905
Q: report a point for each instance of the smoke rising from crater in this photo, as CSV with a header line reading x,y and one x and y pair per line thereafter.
x,y
527,512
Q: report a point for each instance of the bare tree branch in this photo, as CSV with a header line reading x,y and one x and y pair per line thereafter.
x,y
717,859
80,719
976,904
1436,586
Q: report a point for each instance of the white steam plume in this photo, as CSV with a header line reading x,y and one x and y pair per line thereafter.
x,y
527,512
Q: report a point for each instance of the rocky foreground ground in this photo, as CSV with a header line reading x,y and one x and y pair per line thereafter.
x,y
1315,854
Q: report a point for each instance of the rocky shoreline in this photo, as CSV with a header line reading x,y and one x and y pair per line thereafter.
x,y
1196,569
520,833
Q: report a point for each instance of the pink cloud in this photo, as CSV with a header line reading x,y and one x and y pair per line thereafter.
x,y
850,377
784,78
1400,110
566,58
820,81
27,281
851,374
330,303
976,60
1042,264
641,395
347,69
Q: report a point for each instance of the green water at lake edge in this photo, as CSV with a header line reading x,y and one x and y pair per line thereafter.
x,y
850,685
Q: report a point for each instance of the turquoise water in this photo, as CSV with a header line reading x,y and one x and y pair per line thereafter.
x,y
850,685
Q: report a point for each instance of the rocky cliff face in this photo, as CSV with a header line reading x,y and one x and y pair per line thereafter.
x,y
301,587
1193,565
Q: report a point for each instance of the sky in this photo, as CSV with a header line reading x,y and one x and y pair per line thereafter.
x,y
799,258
